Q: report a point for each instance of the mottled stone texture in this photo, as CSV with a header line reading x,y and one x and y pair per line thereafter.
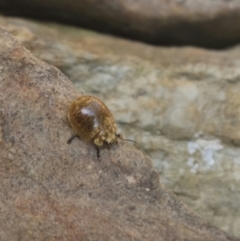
x,y
154,93
53,191
205,23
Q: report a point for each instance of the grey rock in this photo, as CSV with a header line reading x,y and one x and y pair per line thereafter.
x,y
205,23
54,191
179,104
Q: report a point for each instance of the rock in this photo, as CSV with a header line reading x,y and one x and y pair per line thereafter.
x,y
166,100
54,191
212,24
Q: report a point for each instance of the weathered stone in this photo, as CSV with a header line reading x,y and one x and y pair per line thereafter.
x,y
54,191
164,22
179,104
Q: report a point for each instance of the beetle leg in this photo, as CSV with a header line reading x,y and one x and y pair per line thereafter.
x,y
119,136
98,152
71,139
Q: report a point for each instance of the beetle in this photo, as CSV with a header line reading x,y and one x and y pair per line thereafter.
x,y
92,121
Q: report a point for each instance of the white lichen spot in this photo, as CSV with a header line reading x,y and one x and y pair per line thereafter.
x,y
193,164
207,149
192,147
131,179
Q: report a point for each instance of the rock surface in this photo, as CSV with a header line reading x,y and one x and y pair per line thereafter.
x,y
213,24
146,88
54,191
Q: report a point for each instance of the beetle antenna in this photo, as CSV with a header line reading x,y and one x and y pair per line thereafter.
x,y
120,136
130,140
